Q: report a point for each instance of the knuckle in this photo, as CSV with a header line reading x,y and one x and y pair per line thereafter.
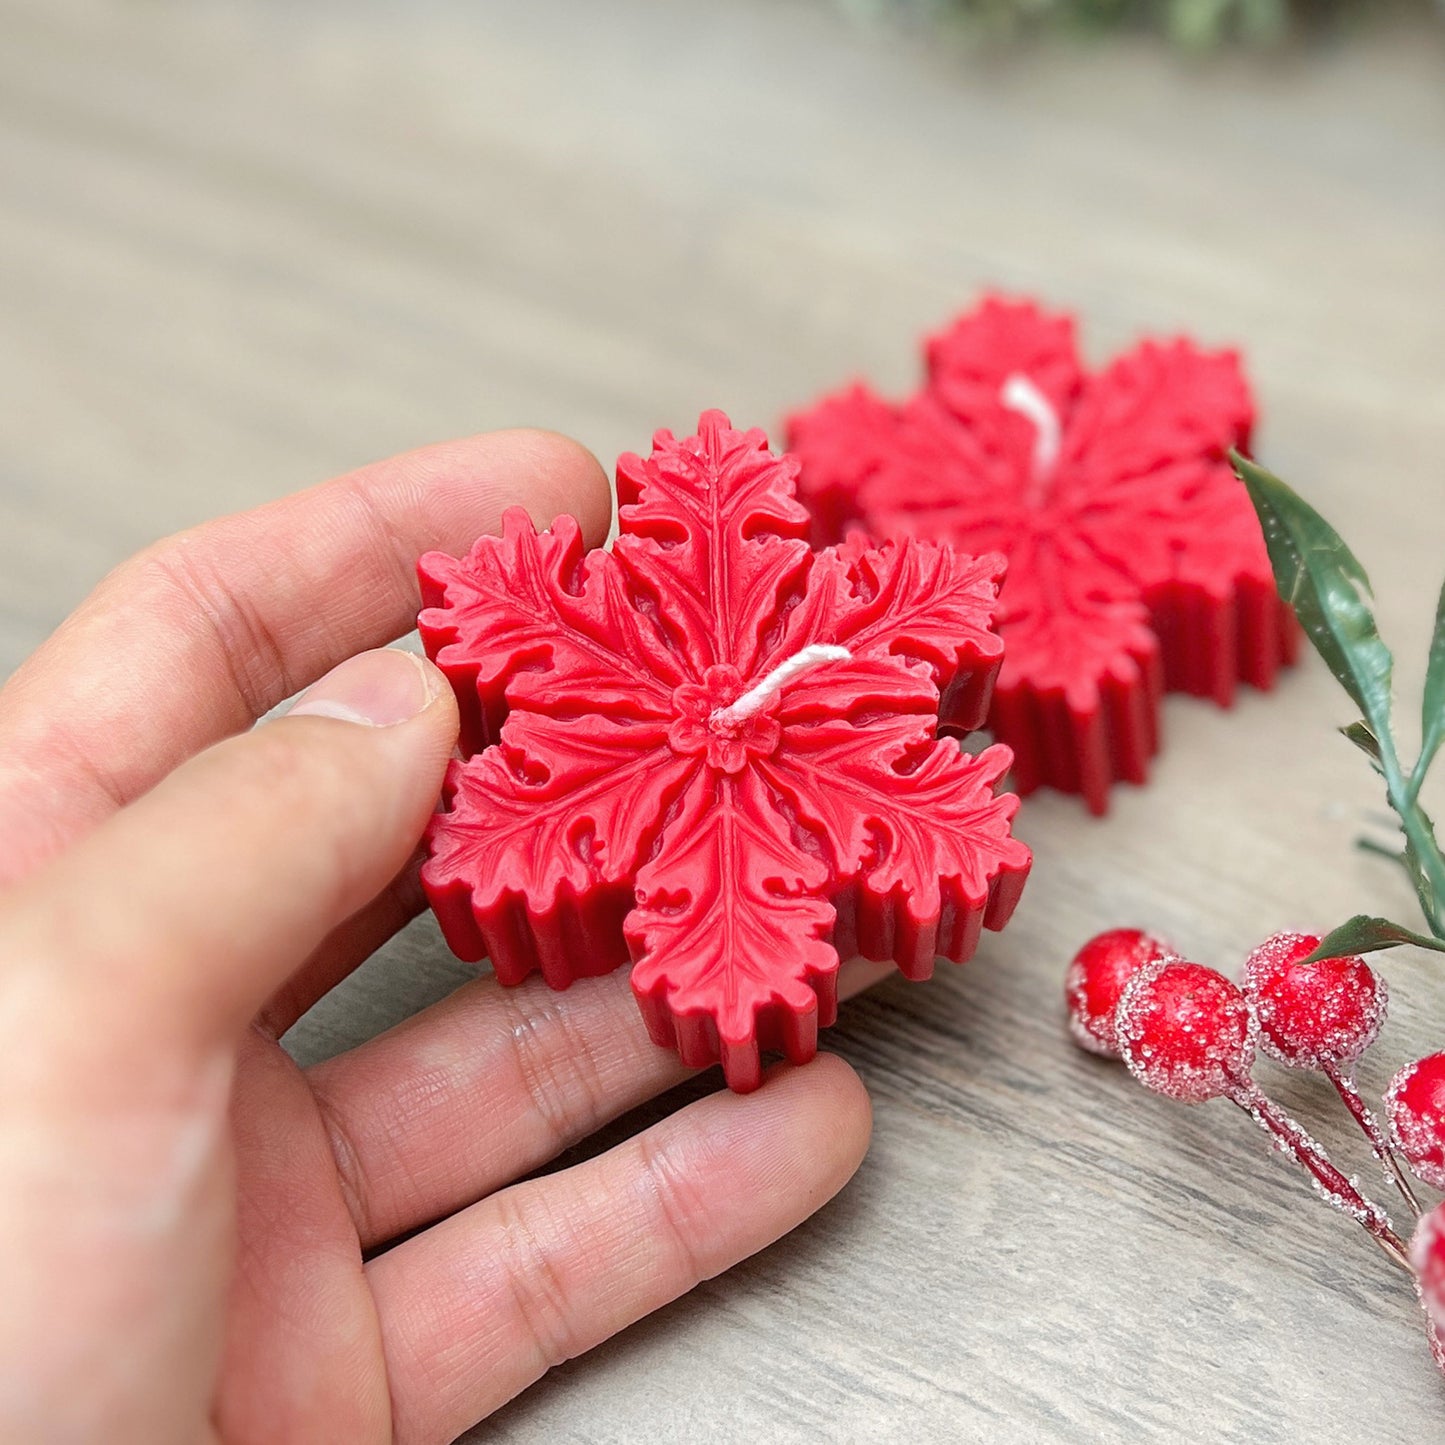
x,y
392,552
540,1297
557,1067
676,1207
182,570
350,1170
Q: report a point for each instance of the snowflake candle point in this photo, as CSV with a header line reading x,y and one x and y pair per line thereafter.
x,y
717,752
1136,563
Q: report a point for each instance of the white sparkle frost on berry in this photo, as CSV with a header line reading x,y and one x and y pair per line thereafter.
x,y
1415,1103
1313,1015
1184,1031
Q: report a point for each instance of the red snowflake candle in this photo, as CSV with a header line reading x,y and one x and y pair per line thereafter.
x,y
717,752
1136,563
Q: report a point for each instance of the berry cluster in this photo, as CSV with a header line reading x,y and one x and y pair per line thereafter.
x,y
1188,1032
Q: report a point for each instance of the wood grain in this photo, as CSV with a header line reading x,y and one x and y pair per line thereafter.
x,y
247,245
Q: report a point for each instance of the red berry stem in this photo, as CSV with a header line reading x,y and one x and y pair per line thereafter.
x,y
1362,1114
1437,1346
1334,1186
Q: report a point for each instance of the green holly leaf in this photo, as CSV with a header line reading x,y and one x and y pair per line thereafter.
x,y
1433,713
1327,587
1364,934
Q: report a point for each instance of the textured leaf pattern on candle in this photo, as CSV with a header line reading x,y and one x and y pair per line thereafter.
x,y
1135,562
612,807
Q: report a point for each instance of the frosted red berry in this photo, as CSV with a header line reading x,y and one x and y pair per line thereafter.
x,y
1415,1102
1313,1015
1096,978
1427,1255
1185,1030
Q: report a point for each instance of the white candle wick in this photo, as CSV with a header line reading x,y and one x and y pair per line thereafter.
x,y
1023,396
752,701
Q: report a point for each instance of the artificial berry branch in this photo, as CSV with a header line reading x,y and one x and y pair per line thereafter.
x,y
1313,1003
1323,1016
1360,1112
1189,1033
1334,1186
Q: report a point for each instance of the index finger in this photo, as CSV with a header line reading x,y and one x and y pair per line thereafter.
x,y
204,632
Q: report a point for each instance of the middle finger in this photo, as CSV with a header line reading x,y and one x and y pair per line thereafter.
x,y
487,1085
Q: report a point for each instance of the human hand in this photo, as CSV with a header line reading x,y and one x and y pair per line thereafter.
x,y
189,1222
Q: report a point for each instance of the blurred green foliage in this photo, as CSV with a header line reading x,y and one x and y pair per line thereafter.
x,y
1190,24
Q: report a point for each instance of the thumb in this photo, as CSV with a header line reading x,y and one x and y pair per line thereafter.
x,y
193,904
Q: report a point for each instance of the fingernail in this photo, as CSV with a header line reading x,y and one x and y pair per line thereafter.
x,y
379,689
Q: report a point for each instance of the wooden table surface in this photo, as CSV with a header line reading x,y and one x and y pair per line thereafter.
x,y
247,245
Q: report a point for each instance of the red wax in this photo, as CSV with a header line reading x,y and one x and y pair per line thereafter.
x,y
1135,561
640,784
